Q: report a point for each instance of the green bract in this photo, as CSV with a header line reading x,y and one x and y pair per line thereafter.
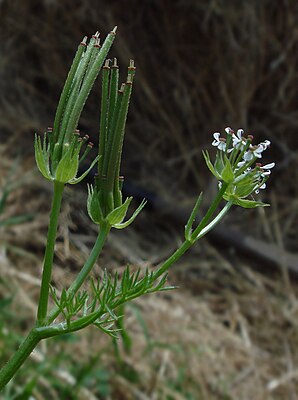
x,y
67,166
114,218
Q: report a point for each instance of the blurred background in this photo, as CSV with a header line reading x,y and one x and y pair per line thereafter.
x,y
230,330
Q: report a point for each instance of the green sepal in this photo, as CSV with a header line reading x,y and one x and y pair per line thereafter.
x,y
93,206
227,174
191,219
118,214
80,178
42,158
68,166
210,165
245,203
132,218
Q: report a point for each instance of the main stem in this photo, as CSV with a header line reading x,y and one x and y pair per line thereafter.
x,y
83,274
16,361
49,254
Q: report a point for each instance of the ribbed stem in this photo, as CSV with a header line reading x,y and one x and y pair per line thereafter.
x,y
19,357
49,254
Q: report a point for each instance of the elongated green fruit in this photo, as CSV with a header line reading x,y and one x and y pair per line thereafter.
x,y
111,132
116,148
103,118
89,81
80,75
114,81
66,88
129,81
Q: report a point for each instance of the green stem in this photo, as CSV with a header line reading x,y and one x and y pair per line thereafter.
x,y
49,254
201,230
19,357
215,221
173,258
211,210
81,277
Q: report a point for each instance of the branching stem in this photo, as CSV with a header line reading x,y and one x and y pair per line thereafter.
x,y
204,226
83,274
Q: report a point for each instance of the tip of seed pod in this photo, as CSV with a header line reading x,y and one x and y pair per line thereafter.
x,y
90,144
115,63
121,90
107,64
86,137
97,42
114,30
258,165
121,178
50,129
131,64
84,41
96,34
77,130
250,137
129,81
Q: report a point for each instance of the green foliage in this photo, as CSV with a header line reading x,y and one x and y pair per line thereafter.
x,y
58,157
99,306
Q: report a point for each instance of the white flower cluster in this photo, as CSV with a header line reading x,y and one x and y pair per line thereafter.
x,y
242,155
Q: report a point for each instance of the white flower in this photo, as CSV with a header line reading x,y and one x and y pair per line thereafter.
x,y
257,188
218,141
254,151
266,144
238,141
240,164
229,130
266,169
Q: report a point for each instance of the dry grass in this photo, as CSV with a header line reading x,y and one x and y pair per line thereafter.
x,y
229,332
